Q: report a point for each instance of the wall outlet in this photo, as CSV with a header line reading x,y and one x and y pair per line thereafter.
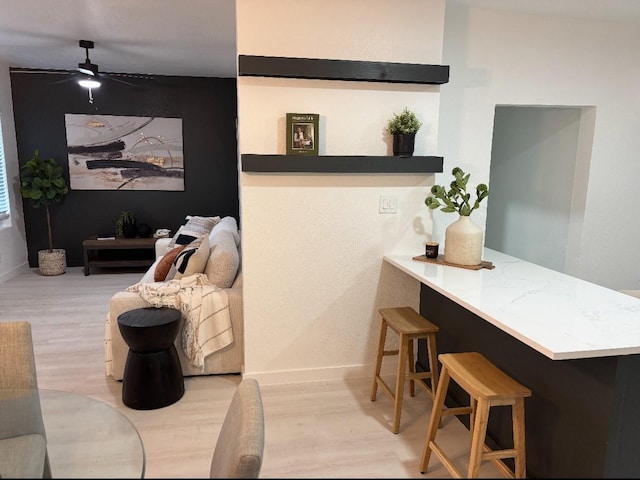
x,y
388,204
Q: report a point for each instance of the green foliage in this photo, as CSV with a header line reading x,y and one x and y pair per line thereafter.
x,y
405,122
41,181
457,199
125,217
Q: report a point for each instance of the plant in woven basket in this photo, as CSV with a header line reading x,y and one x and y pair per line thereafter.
x,y
42,182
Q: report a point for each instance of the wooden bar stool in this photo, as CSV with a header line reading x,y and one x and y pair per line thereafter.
x,y
487,387
409,325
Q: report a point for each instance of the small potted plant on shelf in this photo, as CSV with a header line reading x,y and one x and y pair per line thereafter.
x,y
403,127
463,238
126,225
42,182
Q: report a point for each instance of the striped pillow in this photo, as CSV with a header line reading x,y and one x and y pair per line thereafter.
x,y
196,227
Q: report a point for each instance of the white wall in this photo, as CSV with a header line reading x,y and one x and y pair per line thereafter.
x,y
313,244
13,243
501,58
533,161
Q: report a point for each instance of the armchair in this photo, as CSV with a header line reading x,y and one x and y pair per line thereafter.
x,y
23,441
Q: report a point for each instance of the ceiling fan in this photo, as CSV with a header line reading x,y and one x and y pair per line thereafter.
x,y
89,75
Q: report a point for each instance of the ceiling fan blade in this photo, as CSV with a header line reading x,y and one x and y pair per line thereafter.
x,y
115,79
58,82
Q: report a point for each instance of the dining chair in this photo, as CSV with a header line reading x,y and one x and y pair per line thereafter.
x,y
23,441
240,445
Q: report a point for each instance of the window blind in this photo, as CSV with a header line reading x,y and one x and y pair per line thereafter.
x,y
4,194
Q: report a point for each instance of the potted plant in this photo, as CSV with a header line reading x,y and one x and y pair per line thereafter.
x,y
403,127
126,225
463,238
42,182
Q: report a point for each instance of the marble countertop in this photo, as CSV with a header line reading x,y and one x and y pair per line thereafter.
x,y
556,314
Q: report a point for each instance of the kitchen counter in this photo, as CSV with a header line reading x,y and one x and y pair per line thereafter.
x,y
575,344
560,316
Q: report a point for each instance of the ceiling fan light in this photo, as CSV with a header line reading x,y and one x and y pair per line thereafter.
x,y
86,71
89,82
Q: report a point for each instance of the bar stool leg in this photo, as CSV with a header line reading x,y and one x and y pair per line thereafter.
x,y
383,337
436,416
477,438
433,362
412,368
472,418
400,379
518,438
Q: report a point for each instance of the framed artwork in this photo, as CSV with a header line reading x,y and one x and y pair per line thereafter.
x,y
108,152
302,133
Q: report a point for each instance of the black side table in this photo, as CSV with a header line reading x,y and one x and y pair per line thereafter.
x,y
153,374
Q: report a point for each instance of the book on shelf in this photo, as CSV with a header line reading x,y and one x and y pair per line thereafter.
x,y
302,133
105,236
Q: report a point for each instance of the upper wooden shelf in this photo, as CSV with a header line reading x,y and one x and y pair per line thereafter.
x,y
339,164
356,70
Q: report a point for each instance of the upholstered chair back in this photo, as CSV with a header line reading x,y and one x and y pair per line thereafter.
x,y
239,449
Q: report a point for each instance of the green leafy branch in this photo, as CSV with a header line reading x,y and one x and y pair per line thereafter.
x,y
456,199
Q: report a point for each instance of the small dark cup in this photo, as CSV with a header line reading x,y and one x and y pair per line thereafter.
x,y
431,250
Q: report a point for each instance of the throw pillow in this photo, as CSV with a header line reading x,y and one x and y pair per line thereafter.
x,y
226,223
196,227
192,259
164,265
224,260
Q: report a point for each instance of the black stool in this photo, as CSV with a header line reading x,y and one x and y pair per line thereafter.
x,y
153,374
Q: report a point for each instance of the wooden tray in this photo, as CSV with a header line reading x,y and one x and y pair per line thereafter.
x,y
440,261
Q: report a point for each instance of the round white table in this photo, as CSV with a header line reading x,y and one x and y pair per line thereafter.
x,y
87,438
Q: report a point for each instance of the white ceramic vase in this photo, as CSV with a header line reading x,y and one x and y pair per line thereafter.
x,y
463,242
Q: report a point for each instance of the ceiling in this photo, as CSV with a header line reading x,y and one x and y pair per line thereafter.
x,y
161,37
183,37
627,11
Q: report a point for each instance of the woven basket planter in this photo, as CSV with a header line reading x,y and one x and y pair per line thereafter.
x,y
52,262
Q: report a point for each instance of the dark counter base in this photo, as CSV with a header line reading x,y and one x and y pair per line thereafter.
x,y
582,420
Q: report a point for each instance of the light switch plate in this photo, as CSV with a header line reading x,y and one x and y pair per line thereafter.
x,y
388,204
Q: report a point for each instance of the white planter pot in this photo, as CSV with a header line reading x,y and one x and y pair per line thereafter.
x,y
463,242
52,262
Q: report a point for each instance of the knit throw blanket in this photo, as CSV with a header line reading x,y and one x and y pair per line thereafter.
x,y
205,307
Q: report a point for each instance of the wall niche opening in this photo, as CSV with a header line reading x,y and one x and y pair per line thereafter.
x,y
539,174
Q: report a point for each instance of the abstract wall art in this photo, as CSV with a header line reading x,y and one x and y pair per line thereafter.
x,y
108,152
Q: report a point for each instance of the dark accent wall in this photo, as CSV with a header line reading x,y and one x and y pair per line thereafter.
x,y
208,109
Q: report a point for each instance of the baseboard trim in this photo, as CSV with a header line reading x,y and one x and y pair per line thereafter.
x,y
12,273
319,374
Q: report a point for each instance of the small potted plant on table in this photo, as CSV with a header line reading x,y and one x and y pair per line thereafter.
x,y
126,225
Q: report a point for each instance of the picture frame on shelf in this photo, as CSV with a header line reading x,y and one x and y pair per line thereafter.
x,y
302,133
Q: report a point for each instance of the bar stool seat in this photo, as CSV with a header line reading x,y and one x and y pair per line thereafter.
x,y
410,326
487,387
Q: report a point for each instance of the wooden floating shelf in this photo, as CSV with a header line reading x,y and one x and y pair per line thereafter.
x,y
339,164
356,70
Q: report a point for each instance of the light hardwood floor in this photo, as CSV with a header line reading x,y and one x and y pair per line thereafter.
x,y
327,429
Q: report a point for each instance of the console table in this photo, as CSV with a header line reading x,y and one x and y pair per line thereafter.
x,y
575,344
121,252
